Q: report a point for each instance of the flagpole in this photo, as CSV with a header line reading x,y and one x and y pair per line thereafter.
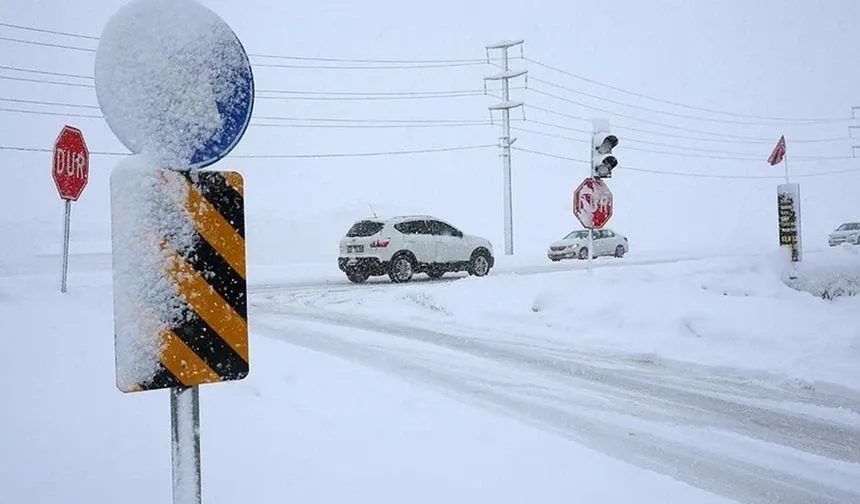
x,y
785,163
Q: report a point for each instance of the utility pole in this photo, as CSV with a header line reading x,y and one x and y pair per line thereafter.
x,y
506,141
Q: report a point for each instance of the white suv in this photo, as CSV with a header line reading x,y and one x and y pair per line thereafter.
x,y
402,246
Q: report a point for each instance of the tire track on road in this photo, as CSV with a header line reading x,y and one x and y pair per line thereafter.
x,y
714,472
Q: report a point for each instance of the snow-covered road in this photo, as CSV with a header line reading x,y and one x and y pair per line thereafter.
x,y
748,435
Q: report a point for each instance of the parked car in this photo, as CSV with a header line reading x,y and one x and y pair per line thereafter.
x,y
402,246
848,232
575,245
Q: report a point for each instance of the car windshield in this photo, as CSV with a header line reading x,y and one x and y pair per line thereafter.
x,y
364,228
849,226
577,235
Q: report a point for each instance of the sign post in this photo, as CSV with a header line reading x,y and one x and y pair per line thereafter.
x,y
182,102
592,206
788,210
70,170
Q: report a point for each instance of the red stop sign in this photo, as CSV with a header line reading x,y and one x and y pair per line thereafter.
x,y
592,203
71,165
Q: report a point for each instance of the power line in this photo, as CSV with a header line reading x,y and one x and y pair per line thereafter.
x,y
289,156
306,96
797,122
647,121
670,102
726,155
59,114
282,57
43,81
363,123
302,95
53,32
48,44
312,122
44,72
370,67
687,174
51,103
759,141
354,64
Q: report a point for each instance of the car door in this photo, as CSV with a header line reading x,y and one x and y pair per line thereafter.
x,y
602,242
449,242
420,241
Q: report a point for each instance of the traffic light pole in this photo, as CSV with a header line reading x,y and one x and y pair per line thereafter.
x,y
590,250
505,141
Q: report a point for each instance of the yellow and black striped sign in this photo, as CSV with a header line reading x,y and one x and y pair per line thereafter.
x,y
210,343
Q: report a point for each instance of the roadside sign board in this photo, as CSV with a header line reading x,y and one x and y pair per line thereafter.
x,y
193,329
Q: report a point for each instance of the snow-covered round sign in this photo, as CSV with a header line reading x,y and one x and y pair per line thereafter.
x,y
173,82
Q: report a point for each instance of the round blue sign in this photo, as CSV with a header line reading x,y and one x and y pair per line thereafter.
x,y
174,82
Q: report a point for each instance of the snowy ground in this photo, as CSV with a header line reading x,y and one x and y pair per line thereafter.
x,y
676,381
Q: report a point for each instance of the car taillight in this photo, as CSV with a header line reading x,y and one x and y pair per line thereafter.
x,y
380,243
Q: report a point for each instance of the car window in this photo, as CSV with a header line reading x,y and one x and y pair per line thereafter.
x,y
608,233
440,228
849,226
364,228
412,227
576,234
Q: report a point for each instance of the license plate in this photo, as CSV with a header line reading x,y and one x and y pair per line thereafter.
x,y
355,248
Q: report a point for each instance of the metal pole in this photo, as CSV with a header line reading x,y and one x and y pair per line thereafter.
x,y
185,444
506,155
506,141
67,220
785,164
590,250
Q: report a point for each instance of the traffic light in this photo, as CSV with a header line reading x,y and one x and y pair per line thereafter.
x,y
602,143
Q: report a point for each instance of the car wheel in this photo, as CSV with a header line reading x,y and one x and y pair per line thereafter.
x,y
357,276
583,253
555,259
479,265
401,269
619,251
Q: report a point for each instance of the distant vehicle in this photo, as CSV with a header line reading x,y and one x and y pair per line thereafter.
x,y
575,245
402,246
848,232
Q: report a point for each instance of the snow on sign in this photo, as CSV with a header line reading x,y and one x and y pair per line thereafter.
x,y
71,164
180,300
173,82
592,203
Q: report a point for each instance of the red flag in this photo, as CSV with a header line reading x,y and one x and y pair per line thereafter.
x,y
778,153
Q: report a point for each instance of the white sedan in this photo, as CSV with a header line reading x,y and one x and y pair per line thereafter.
x,y
575,245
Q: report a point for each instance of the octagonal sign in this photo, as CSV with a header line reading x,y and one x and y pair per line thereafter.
x,y
71,164
592,203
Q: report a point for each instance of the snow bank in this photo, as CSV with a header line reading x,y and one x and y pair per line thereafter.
x,y
734,312
147,206
830,273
